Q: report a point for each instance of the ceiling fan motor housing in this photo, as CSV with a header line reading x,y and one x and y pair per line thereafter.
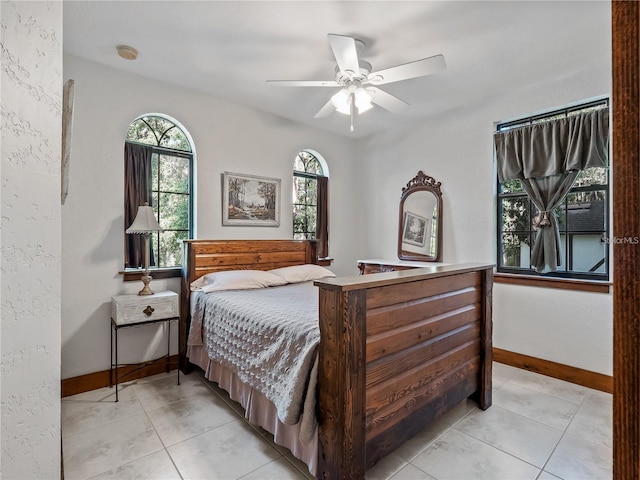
x,y
347,77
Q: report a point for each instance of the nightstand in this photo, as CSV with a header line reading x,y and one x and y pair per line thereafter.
x,y
134,311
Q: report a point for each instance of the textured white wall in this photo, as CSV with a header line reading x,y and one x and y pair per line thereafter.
x,y
31,88
457,149
227,137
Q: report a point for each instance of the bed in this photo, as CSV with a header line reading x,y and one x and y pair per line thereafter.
x,y
395,351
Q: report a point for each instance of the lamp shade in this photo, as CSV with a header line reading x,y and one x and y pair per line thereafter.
x,y
144,222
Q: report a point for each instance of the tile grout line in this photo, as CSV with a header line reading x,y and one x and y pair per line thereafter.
x,y
556,447
564,431
449,428
526,373
256,428
166,448
500,450
533,419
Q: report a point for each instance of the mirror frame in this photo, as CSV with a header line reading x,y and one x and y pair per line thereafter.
x,y
419,183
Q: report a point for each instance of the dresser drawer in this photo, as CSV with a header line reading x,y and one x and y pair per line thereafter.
x,y
127,309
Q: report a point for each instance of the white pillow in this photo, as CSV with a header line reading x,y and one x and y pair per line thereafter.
x,y
236,280
302,273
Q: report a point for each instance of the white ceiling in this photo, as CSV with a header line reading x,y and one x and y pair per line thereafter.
x,y
228,49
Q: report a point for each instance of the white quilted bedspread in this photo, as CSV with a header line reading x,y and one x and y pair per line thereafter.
x,y
268,337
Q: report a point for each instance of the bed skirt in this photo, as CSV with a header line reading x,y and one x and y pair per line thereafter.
x,y
258,409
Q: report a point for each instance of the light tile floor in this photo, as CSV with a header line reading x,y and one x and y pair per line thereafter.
x,y
538,428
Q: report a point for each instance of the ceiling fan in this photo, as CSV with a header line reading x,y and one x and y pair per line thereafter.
x,y
359,83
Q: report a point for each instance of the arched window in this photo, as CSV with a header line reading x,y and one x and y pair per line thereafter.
x,y
158,171
310,201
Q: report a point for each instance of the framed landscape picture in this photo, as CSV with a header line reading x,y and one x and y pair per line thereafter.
x,y
250,200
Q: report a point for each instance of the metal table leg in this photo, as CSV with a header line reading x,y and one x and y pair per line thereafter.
x,y
117,369
111,356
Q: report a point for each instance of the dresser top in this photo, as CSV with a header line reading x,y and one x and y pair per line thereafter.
x,y
402,263
156,295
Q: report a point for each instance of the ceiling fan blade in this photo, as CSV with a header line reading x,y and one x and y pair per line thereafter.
x,y
344,49
419,68
303,83
386,100
325,111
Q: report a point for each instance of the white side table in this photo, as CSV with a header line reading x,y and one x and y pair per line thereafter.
x,y
135,310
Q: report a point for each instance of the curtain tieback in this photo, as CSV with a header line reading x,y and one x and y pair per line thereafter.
x,y
542,219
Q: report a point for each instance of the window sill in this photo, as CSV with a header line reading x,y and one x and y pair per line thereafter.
x,y
324,261
549,282
133,274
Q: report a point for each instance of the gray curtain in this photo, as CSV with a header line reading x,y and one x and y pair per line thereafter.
x,y
137,191
547,158
547,193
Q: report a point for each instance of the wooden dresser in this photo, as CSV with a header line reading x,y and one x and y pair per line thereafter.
x,y
377,265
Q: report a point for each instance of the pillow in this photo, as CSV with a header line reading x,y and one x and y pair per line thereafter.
x,y
236,280
302,273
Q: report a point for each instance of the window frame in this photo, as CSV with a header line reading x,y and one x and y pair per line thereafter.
x,y
310,176
572,278
131,274
307,232
182,154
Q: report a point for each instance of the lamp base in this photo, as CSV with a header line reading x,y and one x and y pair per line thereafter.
x,y
146,278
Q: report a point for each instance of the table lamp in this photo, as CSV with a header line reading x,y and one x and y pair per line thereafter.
x,y
144,224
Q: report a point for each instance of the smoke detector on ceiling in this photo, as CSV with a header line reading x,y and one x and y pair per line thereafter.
x,y
127,52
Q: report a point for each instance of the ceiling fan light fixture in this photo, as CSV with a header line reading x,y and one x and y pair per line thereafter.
x,y
344,109
342,100
363,100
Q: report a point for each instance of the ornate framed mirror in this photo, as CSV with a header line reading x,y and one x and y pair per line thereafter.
x,y
420,223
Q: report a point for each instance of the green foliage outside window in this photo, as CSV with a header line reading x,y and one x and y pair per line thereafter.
x,y
158,131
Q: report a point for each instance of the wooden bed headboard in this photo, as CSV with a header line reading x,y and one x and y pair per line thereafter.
x,y
207,256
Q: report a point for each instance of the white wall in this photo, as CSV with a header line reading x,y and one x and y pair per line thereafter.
x,y
31,89
569,327
227,137
366,181
456,149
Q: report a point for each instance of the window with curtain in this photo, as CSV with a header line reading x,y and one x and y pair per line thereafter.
x,y
310,201
553,194
158,171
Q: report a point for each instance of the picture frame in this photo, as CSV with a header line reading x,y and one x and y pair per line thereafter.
x,y
250,200
415,230
67,125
